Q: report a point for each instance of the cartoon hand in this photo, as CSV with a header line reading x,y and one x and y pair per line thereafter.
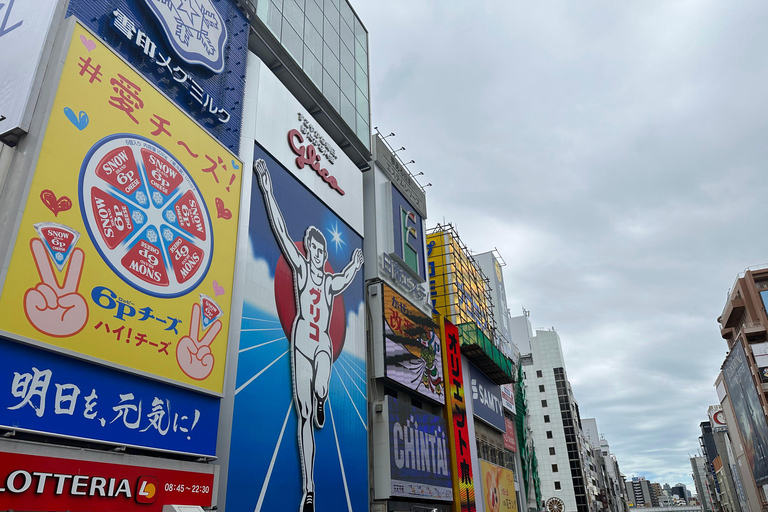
x,y
53,310
194,357
260,168
357,257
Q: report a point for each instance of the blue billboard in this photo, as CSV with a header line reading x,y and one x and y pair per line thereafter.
x,y
418,453
409,233
193,52
45,392
299,428
486,399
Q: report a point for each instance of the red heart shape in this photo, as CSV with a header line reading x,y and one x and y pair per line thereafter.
x,y
61,204
221,211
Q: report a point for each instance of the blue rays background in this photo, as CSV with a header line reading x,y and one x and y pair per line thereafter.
x,y
265,471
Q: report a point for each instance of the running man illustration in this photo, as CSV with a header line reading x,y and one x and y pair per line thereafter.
x,y
311,349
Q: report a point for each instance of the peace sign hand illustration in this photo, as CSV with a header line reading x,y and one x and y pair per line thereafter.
x,y
52,309
193,355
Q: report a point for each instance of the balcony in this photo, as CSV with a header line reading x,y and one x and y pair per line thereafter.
x,y
732,312
726,333
479,349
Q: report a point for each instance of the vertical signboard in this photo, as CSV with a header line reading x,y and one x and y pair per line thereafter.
x,y
409,233
498,488
24,26
510,442
125,252
413,353
299,435
418,455
463,482
486,399
508,397
749,414
194,52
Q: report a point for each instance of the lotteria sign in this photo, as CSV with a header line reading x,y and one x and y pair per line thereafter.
x,y
31,482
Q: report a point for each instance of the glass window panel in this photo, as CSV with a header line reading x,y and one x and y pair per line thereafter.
x,y
348,86
334,3
347,60
331,64
331,38
333,17
292,41
278,4
361,56
294,15
346,37
362,80
314,15
313,68
346,13
331,91
348,112
360,33
363,131
362,104
274,20
313,40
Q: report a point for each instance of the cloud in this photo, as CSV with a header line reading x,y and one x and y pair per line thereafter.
x,y
259,290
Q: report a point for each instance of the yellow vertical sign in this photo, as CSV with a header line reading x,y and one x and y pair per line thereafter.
x,y
125,253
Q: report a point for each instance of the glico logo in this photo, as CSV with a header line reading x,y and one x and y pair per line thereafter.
x,y
308,155
488,399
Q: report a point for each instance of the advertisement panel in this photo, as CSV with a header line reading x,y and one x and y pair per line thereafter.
x,y
299,435
32,482
413,353
508,397
195,54
125,252
486,399
717,418
463,482
457,286
510,441
41,391
24,26
409,234
418,455
498,488
749,414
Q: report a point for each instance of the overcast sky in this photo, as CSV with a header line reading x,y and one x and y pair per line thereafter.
x,y
615,154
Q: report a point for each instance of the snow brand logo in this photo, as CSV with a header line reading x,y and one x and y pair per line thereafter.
x,y
195,30
486,398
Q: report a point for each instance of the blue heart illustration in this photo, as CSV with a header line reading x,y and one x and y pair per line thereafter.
x,y
80,121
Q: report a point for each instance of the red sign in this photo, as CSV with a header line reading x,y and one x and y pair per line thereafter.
x,y
455,381
31,482
510,442
309,156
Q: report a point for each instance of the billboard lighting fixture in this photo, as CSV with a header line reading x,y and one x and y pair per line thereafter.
x,y
402,148
411,162
427,185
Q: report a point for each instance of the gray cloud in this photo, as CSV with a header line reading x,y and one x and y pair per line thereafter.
x,y
614,153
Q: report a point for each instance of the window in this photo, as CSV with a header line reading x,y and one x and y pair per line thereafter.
x,y
541,388
546,418
557,486
549,434
539,374
543,403
551,450
554,468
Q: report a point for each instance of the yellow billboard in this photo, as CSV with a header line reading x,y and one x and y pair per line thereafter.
x,y
458,289
498,488
125,251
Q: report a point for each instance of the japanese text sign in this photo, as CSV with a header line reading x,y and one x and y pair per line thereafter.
x,y
510,441
195,53
418,455
32,482
464,486
125,252
46,392
498,488
413,350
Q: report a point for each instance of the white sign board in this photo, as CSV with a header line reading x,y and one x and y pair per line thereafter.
x,y
24,25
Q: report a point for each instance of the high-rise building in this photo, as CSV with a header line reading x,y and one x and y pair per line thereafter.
x,y
639,492
703,490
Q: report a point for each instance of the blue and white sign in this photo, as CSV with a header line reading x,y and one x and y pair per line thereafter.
x,y
486,399
418,453
195,30
41,391
193,51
